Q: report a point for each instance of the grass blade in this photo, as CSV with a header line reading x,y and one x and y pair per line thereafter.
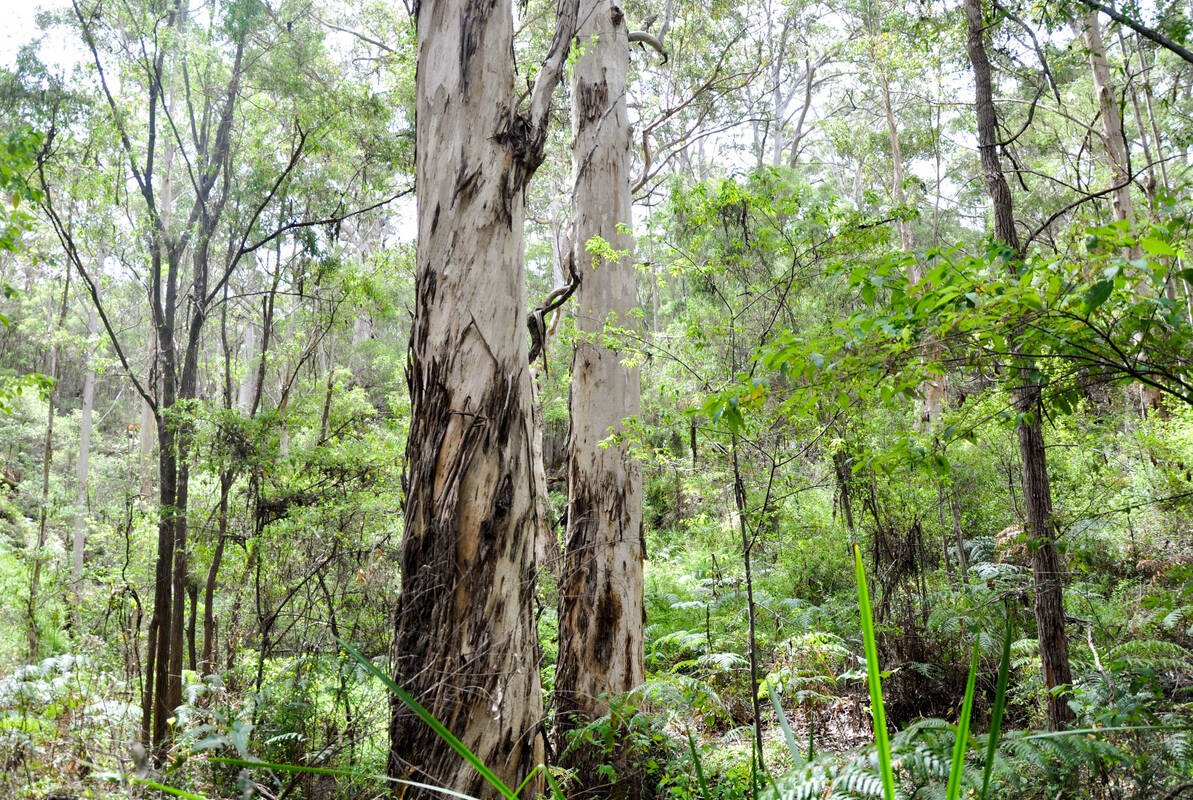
x,y
792,745
161,787
954,790
556,792
440,729
526,781
704,794
874,679
1000,702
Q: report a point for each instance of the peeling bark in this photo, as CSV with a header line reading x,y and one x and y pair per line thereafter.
x,y
601,611
466,644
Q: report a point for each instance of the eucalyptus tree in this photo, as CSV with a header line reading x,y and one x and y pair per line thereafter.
x,y
1037,493
466,643
601,610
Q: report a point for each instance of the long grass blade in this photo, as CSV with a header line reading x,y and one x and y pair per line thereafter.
x,y
958,766
556,792
526,781
792,745
874,679
161,787
1000,703
440,729
704,793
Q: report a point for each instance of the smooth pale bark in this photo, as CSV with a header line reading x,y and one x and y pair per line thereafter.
x,y
906,230
246,392
146,437
932,390
1117,156
1110,115
601,612
466,645
1150,185
82,464
1037,494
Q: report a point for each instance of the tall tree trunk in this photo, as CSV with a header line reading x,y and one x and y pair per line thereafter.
x,y
207,660
931,389
82,467
192,594
246,393
47,455
906,230
601,611
1037,494
466,645
1110,114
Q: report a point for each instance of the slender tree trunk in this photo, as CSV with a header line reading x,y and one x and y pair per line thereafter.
x,y
747,548
906,230
232,632
82,467
246,393
1117,154
207,660
959,535
157,663
146,435
192,593
547,553
1047,578
1110,114
47,457
601,610
466,645
931,389
1151,184
1157,142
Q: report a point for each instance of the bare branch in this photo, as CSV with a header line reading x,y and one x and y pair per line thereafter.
x,y
645,38
1141,29
72,254
567,13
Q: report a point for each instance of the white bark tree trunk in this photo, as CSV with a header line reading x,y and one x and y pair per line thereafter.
x,y
601,614
83,463
1111,116
466,644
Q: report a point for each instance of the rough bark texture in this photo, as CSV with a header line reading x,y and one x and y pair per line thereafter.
x,y
466,644
1048,579
601,613
1037,494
